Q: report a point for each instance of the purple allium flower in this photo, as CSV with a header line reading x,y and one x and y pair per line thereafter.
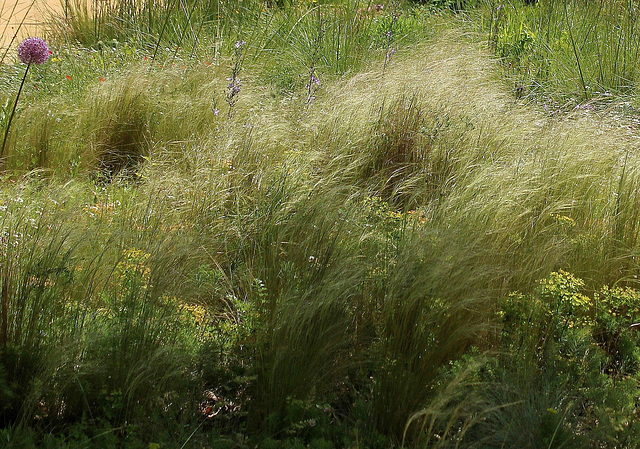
x,y
33,50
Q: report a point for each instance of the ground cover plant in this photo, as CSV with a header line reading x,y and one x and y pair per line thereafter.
x,y
315,224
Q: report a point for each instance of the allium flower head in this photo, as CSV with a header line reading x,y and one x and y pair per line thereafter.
x,y
33,50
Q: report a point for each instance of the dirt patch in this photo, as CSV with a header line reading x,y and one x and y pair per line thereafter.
x,y
25,18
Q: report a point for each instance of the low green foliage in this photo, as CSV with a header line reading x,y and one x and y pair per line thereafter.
x,y
560,372
568,49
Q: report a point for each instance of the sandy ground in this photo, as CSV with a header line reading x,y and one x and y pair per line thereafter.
x,y
25,17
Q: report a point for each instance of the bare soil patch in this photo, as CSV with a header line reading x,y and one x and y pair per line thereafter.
x,y
24,18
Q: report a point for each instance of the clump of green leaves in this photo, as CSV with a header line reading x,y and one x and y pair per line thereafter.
x,y
567,362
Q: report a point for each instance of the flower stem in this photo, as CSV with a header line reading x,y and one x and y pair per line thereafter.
x,y
13,111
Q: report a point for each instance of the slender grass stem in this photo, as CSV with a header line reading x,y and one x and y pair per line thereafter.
x,y
162,30
575,50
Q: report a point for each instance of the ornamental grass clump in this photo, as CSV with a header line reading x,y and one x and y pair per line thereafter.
x,y
32,50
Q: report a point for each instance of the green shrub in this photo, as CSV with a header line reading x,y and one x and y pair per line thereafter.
x,y
558,372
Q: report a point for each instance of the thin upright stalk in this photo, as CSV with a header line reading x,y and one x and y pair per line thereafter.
x,y
575,51
13,111
164,26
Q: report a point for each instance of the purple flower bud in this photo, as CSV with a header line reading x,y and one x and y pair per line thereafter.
x,y
33,50
240,44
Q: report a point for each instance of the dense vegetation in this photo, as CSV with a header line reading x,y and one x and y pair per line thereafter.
x,y
315,224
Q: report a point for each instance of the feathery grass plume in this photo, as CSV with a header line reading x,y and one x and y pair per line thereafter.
x,y
100,316
42,308
406,143
130,351
509,167
118,122
309,277
418,335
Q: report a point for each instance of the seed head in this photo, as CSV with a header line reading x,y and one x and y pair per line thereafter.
x,y
33,50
